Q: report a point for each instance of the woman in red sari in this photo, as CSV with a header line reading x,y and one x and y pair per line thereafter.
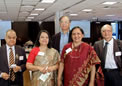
x,y
78,60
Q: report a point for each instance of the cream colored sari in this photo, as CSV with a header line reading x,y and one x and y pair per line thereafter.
x,y
50,57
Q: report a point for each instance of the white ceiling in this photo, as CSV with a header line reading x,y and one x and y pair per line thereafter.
x,y
14,10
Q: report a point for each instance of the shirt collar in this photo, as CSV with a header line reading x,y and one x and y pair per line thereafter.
x,y
8,47
110,42
64,34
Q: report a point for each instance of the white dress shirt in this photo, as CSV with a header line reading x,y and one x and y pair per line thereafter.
x,y
8,51
110,61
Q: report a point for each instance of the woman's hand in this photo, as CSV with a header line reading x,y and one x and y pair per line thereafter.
x,y
42,69
91,84
50,69
92,76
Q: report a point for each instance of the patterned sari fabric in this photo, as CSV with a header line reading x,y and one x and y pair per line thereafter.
x,y
78,64
99,77
50,57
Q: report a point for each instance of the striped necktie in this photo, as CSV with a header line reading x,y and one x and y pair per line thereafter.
x,y
11,61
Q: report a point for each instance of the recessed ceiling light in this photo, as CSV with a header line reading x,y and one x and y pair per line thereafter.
x,y
73,14
94,18
40,22
40,9
110,15
87,10
24,12
47,1
34,14
21,17
27,19
109,3
30,17
109,20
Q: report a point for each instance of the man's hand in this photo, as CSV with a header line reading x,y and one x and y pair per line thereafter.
x,y
16,69
5,76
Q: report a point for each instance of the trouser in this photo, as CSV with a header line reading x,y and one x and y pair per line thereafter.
x,y
11,83
112,77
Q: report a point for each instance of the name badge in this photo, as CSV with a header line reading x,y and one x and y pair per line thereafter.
x,y
118,53
44,77
68,50
41,53
21,58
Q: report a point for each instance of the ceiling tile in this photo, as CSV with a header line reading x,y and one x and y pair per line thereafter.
x,y
23,8
22,14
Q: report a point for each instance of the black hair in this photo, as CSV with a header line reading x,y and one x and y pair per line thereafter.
x,y
70,34
37,43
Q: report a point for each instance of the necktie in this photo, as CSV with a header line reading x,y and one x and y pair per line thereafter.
x,y
11,61
105,52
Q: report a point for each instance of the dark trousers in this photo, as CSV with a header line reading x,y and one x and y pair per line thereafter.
x,y
112,77
11,83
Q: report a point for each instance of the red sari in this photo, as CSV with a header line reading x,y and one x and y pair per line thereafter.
x,y
78,63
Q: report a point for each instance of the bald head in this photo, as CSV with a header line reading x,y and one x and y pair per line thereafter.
x,y
10,38
105,27
10,31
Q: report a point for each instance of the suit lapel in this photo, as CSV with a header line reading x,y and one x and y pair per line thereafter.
x,y
58,40
5,54
116,49
101,45
16,55
101,48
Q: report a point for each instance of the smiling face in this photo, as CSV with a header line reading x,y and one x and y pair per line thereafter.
x,y
10,38
44,39
77,35
65,23
106,32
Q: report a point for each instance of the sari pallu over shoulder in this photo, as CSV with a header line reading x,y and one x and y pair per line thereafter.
x,y
82,75
80,78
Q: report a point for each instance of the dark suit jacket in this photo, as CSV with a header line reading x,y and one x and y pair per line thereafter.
x,y
56,41
98,46
5,68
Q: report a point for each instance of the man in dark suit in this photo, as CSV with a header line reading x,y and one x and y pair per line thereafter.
x,y
111,61
8,70
62,38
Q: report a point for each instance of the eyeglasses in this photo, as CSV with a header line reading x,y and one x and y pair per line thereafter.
x,y
65,22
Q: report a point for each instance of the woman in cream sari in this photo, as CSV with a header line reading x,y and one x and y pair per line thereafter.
x,y
43,61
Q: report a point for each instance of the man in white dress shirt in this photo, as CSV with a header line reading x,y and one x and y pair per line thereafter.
x,y
111,62
9,69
